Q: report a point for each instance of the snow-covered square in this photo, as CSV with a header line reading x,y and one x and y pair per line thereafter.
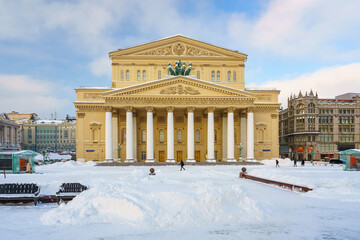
x,y
202,202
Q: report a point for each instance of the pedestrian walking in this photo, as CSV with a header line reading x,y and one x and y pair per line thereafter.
x,y
303,162
277,163
295,162
182,165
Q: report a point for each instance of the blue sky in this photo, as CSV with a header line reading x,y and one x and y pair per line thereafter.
x,y
48,48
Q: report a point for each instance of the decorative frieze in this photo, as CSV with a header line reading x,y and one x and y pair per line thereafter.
x,y
180,90
264,98
92,96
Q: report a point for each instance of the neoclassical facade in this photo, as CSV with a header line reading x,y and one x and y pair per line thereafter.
x,y
149,114
9,133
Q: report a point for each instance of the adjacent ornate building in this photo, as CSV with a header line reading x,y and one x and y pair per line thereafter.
x,y
9,134
324,126
199,112
49,135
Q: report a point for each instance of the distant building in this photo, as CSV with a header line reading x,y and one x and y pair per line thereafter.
x,y
21,117
9,134
49,135
324,126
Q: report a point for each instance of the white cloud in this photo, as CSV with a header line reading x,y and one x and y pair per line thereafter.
x,y
101,66
327,82
24,94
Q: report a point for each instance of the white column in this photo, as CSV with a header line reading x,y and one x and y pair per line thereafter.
x,y
230,138
170,135
129,135
190,135
115,135
243,135
210,137
134,137
108,136
224,136
250,134
149,135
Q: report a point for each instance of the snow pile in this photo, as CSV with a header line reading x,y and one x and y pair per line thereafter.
x,y
143,201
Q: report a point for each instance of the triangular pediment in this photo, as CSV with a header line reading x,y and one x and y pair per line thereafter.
x,y
179,86
178,46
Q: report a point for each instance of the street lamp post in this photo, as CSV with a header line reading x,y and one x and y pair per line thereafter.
x,y
119,149
240,148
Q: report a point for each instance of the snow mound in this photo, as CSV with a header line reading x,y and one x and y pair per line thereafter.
x,y
282,162
67,164
146,202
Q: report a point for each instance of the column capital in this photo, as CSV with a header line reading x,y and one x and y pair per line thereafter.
x,y
108,109
129,109
80,115
149,109
230,109
250,109
190,109
210,109
274,116
170,109
114,111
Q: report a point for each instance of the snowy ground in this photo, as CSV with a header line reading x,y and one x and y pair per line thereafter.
x,y
203,202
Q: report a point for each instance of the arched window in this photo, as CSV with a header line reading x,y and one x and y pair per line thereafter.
x,y
179,136
138,75
127,75
159,74
144,75
161,136
229,76
197,135
198,74
215,136
234,76
213,76
218,76
122,75
143,136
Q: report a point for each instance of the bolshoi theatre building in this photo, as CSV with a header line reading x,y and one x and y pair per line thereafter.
x,y
176,99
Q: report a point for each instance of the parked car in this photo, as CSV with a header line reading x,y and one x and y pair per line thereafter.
x,y
336,161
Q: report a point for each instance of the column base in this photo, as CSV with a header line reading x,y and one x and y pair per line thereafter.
x,y
117,160
80,160
170,160
242,159
210,160
129,160
231,160
150,160
190,160
109,160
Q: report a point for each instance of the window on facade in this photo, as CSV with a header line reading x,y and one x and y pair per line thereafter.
x,y
311,108
127,75
197,135
234,76
143,155
213,76
143,135
346,138
159,74
198,74
144,75
326,138
229,76
161,136
66,134
122,75
300,109
218,76
179,136
215,136
138,75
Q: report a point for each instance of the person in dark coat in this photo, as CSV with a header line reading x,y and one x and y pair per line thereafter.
x,y
277,163
303,162
295,162
182,165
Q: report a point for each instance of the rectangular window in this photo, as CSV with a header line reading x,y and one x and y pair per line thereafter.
x,y
143,155
122,75
234,76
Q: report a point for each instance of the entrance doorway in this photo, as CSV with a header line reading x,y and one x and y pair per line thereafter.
x,y
161,156
179,156
197,156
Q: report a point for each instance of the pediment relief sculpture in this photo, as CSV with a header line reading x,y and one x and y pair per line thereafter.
x,y
180,90
178,49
